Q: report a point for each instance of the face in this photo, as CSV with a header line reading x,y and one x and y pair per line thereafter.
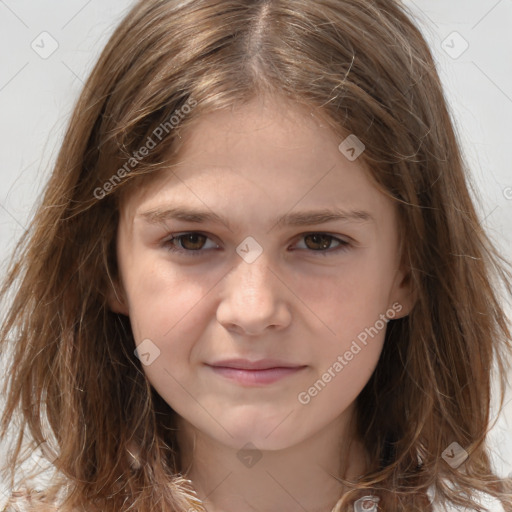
x,y
288,253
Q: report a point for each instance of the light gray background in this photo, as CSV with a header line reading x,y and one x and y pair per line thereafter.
x,y
37,95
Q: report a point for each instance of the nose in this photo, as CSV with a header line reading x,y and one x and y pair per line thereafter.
x,y
254,299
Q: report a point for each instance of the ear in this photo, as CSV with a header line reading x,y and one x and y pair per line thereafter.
x,y
117,298
403,295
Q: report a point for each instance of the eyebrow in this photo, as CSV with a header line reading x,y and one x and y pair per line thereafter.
x,y
305,218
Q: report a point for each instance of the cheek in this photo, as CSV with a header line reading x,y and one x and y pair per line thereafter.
x,y
345,300
344,370
162,298
167,316
352,306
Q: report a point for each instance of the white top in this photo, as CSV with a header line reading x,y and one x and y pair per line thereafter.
x,y
492,504
485,500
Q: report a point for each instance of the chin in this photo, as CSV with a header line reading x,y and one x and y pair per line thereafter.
x,y
265,435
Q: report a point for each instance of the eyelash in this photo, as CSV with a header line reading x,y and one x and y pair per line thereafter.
x,y
169,244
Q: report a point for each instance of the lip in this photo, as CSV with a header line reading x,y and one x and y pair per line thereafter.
x,y
262,364
250,373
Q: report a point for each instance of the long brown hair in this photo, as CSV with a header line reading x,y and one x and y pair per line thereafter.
x,y
74,383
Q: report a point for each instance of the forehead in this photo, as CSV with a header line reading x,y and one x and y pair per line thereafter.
x,y
260,153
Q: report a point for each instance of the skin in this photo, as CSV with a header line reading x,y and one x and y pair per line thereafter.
x,y
252,165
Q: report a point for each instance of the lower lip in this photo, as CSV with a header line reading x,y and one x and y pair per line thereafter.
x,y
254,377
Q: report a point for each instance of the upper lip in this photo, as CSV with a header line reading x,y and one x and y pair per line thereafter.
x,y
262,364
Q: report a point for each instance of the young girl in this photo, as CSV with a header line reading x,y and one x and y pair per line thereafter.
x,y
257,280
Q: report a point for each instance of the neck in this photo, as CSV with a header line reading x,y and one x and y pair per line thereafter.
x,y
300,477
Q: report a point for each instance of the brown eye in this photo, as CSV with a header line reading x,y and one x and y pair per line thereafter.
x,y
187,243
322,242
192,241
195,244
319,241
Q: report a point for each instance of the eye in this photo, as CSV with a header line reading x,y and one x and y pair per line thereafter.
x,y
318,242
191,243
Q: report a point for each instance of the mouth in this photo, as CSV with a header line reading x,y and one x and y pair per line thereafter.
x,y
249,373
